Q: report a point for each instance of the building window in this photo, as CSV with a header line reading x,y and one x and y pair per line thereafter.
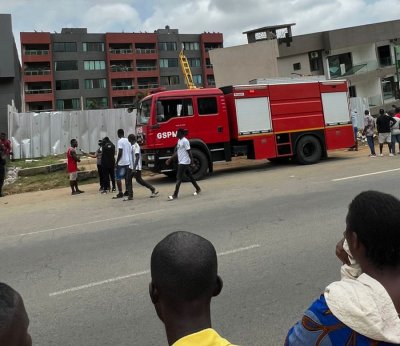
x,y
64,47
385,56
167,46
164,63
67,65
352,91
388,88
93,46
315,61
62,104
194,62
67,84
211,80
191,46
197,79
297,66
95,83
207,105
169,80
90,65
96,102
167,109
339,64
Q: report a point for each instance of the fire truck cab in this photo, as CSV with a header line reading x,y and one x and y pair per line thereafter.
x,y
274,121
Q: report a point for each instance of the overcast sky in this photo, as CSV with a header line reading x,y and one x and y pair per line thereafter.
x,y
230,17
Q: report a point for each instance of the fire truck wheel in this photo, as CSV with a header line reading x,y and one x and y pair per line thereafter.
x,y
200,164
308,150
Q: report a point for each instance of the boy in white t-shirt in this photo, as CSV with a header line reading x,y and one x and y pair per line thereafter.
x,y
185,159
135,169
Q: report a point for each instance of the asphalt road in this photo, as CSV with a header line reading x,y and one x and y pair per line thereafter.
x,y
81,262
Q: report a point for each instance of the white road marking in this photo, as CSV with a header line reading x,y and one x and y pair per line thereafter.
x,y
144,272
367,174
82,224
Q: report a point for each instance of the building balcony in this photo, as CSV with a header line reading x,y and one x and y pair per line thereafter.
x,y
123,87
123,91
147,86
145,51
120,68
38,91
36,52
37,72
146,68
121,51
39,97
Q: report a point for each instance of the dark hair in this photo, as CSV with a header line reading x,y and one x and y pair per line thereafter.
x,y
8,306
181,132
366,112
131,137
72,140
120,132
184,266
374,217
381,111
106,139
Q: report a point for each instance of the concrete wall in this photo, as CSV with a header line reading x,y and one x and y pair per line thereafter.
x,y
285,65
10,71
240,64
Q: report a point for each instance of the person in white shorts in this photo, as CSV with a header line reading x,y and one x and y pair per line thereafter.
x,y
384,124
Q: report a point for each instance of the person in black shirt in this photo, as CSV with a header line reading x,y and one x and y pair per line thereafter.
x,y
384,124
108,164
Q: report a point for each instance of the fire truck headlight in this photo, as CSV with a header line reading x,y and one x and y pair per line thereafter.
x,y
151,157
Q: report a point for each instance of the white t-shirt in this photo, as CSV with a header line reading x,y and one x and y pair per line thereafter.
x,y
135,149
182,147
124,144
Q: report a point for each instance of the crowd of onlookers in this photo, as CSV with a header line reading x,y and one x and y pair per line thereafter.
x,y
360,309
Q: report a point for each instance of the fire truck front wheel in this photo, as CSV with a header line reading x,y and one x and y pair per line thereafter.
x,y
200,168
308,150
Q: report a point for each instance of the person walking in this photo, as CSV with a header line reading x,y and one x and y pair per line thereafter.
x,y
123,161
72,167
354,122
185,160
384,124
6,143
369,128
135,169
108,165
395,130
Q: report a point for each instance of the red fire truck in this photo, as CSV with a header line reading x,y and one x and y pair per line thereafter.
x,y
274,121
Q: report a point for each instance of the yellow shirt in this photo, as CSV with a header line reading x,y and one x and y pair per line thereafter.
x,y
206,337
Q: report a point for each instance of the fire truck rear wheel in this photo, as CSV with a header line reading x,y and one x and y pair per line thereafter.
x,y
308,150
200,168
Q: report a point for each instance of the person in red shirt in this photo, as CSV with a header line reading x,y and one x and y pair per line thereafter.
x,y
6,144
397,113
72,167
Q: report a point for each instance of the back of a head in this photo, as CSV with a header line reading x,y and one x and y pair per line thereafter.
x,y
120,133
131,138
381,111
374,217
366,112
13,318
184,267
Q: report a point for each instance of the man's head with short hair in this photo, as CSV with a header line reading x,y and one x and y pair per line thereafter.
x,y
381,111
184,272
366,112
74,143
120,133
181,133
373,229
14,320
2,136
132,138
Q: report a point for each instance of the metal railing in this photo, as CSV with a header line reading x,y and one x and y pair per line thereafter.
x,y
121,51
38,91
146,68
36,52
121,68
144,51
209,66
37,72
147,86
122,87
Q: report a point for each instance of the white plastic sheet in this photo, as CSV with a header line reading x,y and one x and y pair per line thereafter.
x,y
49,133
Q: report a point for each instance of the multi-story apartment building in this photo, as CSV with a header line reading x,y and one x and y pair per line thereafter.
x,y
75,69
10,71
364,55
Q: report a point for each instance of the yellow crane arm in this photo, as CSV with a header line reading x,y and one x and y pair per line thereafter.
x,y
187,73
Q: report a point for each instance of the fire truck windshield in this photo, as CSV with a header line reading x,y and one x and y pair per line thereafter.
x,y
143,115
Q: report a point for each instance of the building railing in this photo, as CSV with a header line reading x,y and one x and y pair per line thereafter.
x,y
363,67
147,86
144,51
146,68
121,51
209,66
210,83
38,91
121,68
37,52
123,87
123,105
37,72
